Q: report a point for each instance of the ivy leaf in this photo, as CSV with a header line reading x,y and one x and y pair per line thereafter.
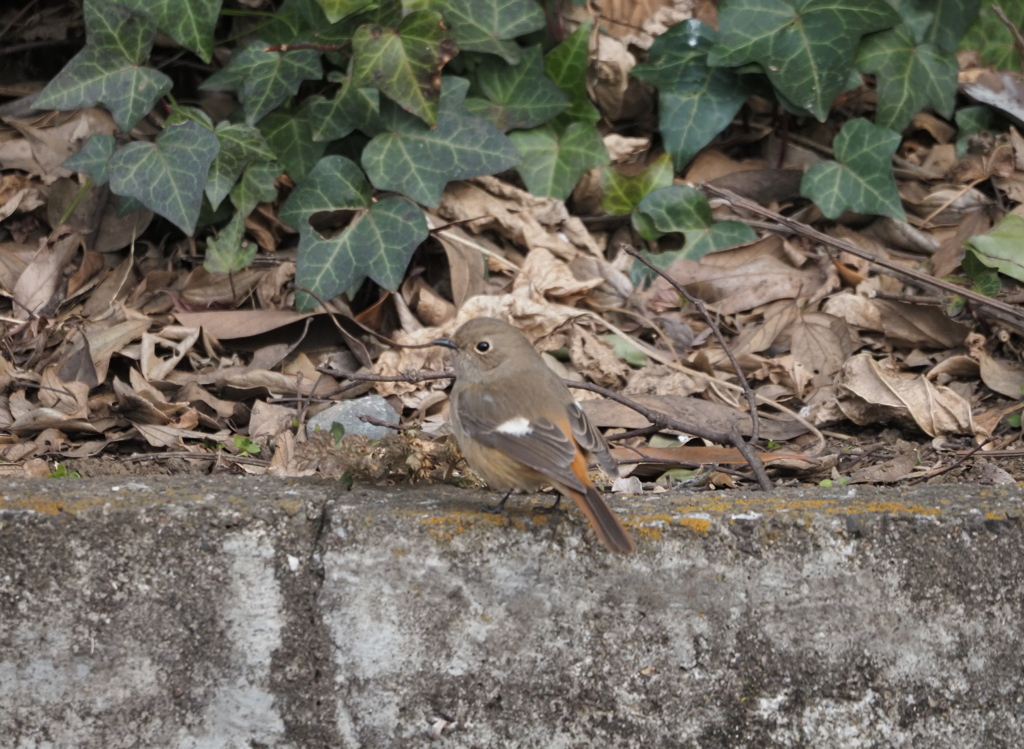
x,y
263,80
352,108
910,76
377,13
620,194
566,65
679,208
1002,248
993,41
378,244
257,185
520,96
806,47
335,10
167,176
487,25
228,253
111,69
240,145
93,158
418,161
405,63
335,183
951,19
188,22
290,137
552,162
695,101
860,179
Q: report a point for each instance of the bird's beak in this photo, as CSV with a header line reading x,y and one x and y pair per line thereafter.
x,y
446,342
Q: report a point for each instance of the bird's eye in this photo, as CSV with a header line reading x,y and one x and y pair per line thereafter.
x,y
483,347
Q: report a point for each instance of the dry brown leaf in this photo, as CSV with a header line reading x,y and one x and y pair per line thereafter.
x,y
116,286
198,397
178,340
734,289
92,264
35,289
51,145
270,420
710,415
822,342
70,398
273,290
918,325
1002,376
698,454
39,419
596,359
552,278
18,193
96,215
207,290
896,469
660,379
430,307
878,392
528,221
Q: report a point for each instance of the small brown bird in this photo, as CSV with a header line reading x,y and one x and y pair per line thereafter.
x,y
519,427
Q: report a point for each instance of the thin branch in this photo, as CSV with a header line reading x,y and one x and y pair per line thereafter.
x,y
1000,310
664,421
698,303
1017,38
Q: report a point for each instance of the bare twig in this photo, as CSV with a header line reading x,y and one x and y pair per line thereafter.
x,y
1017,38
664,421
366,418
1006,313
137,458
698,303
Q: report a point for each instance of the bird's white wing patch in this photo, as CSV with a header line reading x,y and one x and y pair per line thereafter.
x,y
516,427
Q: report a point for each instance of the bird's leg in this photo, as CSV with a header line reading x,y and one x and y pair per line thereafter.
x,y
498,509
550,509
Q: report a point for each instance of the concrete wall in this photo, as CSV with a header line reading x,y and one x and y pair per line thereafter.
x,y
261,613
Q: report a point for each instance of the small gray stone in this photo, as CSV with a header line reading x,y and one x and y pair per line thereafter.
x,y
347,414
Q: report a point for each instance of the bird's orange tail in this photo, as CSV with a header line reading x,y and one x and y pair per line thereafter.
x,y
607,525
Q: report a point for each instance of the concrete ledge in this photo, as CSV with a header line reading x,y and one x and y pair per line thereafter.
x,y
270,613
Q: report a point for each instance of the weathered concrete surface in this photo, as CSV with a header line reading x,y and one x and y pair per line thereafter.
x,y
259,613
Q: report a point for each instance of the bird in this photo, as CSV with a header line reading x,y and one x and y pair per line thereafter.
x,y
519,427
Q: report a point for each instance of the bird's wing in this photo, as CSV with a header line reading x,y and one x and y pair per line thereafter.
x,y
536,442
590,439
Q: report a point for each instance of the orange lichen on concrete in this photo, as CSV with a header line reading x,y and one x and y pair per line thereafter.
x,y
697,525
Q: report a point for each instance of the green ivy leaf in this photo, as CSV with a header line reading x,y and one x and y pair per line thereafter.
x,y
228,253
620,194
378,244
93,158
111,69
335,183
290,137
518,96
335,10
552,162
993,41
418,161
566,65
240,145
188,22
860,179
910,76
806,47
378,13
255,186
984,280
695,102
487,25
679,208
352,108
405,63
970,120
167,176
951,19
1002,248
263,80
